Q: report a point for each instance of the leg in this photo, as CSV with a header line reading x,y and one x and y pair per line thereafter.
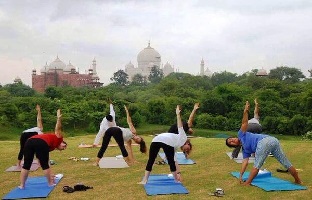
x,y
24,137
42,153
154,149
29,154
23,178
106,139
281,157
47,173
169,152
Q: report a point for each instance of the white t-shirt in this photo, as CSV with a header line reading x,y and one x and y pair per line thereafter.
x,y
171,139
105,125
34,129
126,134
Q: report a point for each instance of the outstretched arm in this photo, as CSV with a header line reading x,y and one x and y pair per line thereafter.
x,y
39,118
129,121
130,152
245,117
179,120
192,115
256,111
243,169
58,125
111,110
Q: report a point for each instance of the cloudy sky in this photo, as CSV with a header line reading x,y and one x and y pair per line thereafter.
x,y
231,35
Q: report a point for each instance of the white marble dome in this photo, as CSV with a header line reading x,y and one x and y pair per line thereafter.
x,y
57,65
261,72
148,55
69,67
129,66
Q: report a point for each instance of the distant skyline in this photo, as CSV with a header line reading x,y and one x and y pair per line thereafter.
x,y
235,36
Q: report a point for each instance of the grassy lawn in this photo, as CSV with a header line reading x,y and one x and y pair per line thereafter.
x,y
212,170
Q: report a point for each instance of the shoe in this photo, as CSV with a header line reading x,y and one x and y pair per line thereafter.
x,y
68,189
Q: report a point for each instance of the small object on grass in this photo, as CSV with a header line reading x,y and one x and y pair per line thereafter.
x,y
218,193
282,170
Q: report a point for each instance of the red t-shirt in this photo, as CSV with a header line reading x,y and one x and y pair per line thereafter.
x,y
51,139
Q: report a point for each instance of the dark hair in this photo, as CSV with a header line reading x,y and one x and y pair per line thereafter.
x,y
109,118
142,146
230,145
188,141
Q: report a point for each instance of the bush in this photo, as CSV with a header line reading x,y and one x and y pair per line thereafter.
x,y
307,136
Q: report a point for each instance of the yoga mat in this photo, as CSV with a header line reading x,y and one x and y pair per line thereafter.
x,y
15,168
163,184
112,162
239,158
35,187
267,182
180,158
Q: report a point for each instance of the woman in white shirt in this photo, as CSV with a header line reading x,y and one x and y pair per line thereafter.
x,y
122,136
169,143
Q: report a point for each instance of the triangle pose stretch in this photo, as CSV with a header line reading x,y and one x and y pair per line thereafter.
x,y
169,143
40,145
261,145
254,126
187,126
109,129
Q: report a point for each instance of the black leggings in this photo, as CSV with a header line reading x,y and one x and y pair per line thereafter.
x,y
116,133
24,137
38,147
154,149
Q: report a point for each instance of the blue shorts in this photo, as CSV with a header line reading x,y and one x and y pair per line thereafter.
x,y
270,145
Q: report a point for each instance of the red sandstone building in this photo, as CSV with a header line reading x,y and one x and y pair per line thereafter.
x,y
59,74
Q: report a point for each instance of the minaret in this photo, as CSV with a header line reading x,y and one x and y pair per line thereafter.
x,y
202,67
94,66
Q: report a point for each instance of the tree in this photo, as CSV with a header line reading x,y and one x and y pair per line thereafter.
x,y
120,77
19,90
53,92
138,79
223,77
288,74
155,75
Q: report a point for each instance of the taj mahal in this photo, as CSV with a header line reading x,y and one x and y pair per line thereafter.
x,y
149,57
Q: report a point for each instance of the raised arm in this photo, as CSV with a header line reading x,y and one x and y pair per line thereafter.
x,y
256,111
192,115
129,121
179,120
58,125
111,110
245,117
39,118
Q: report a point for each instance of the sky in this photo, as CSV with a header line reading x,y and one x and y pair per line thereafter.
x,y
229,35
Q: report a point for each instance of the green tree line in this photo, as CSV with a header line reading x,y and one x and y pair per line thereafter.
x,y
285,98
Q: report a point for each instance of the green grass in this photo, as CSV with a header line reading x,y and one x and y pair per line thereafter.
x,y
212,170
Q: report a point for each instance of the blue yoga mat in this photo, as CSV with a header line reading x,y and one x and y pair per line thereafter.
x,y
163,184
35,187
267,182
180,158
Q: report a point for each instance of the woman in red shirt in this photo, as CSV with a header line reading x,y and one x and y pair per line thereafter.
x,y
41,145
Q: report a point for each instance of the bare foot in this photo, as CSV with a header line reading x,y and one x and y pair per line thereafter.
x,y
142,182
95,164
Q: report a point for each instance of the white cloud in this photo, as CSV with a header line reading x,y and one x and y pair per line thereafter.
x,y
236,36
